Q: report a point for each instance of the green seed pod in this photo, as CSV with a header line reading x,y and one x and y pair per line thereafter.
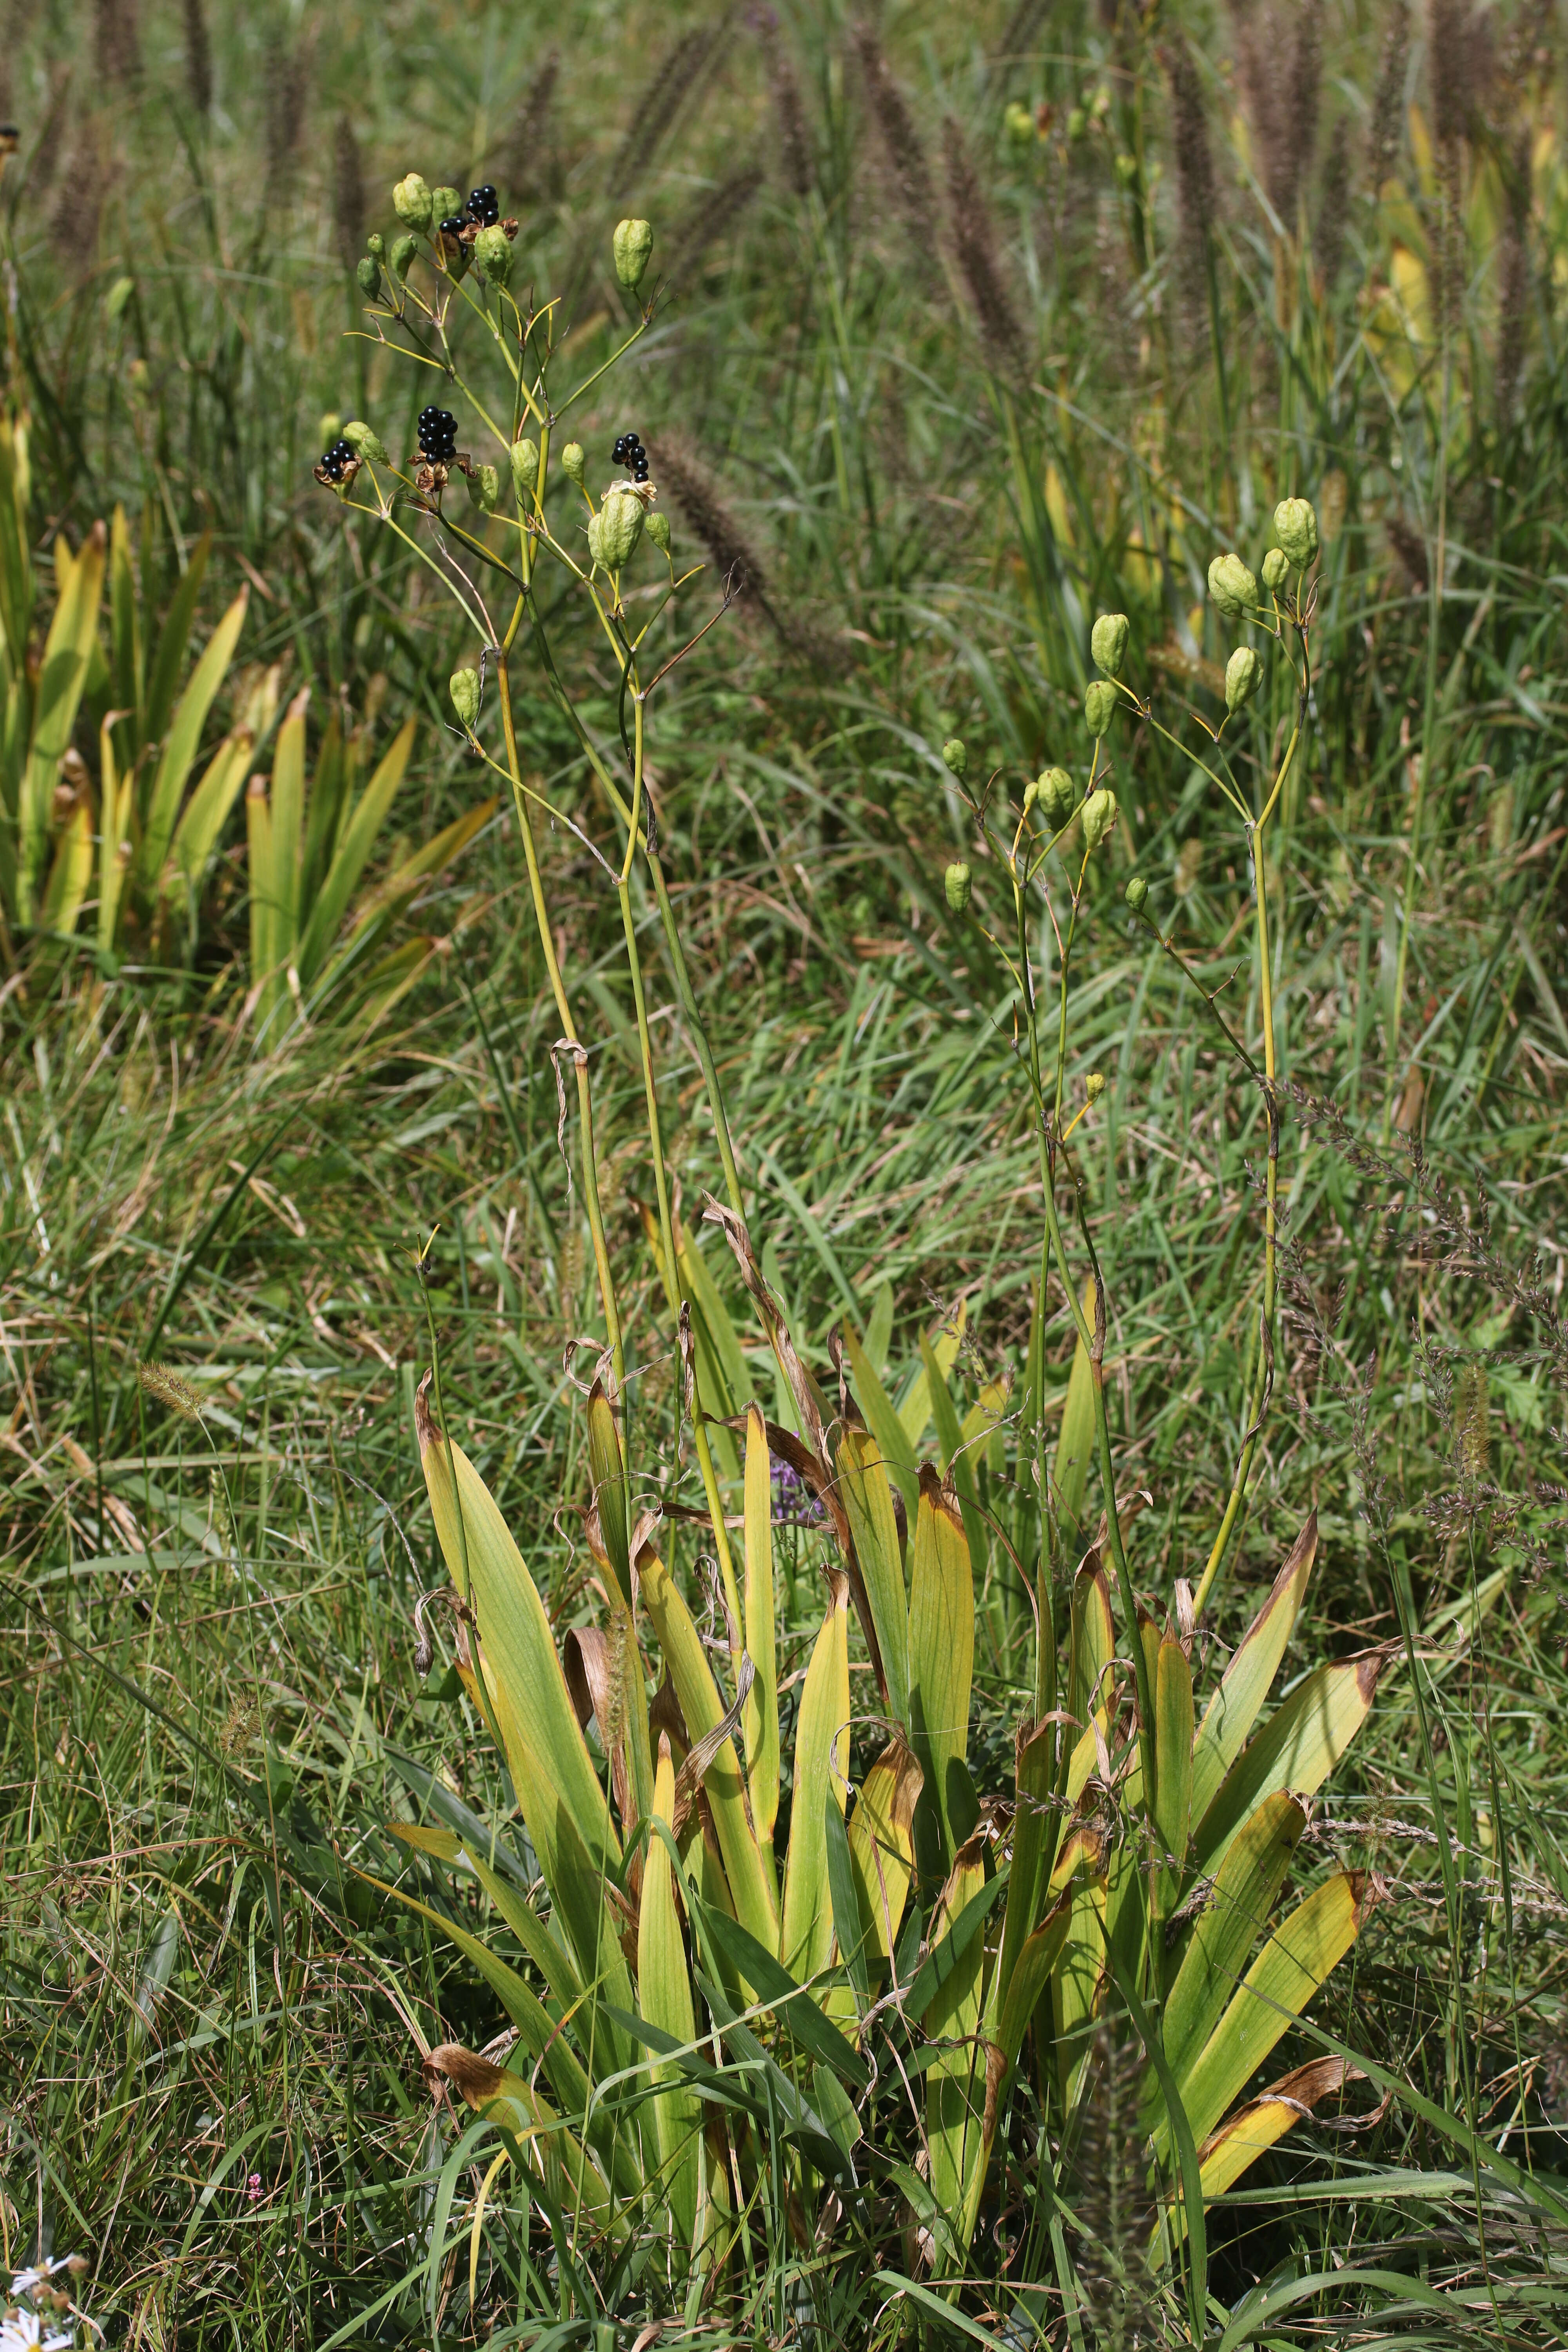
x,y
620,520
573,462
1077,123
1019,124
524,466
631,245
657,528
1296,529
1098,706
956,757
445,204
1232,585
492,254
412,202
368,271
1136,892
1275,570
364,443
464,687
1243,676
956,882
405,250
330,425
375,246
1094,1084
1052,794
1108,642
484,486
1099,814
1127,169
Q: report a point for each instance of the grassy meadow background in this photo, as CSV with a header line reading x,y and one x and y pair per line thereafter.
x,y
973,323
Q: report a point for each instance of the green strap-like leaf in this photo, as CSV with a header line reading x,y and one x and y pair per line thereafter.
x,y
1296,1959
821,1769
863,1488
760,1719
1236,1705
664,1996
1297,1748
1243,1895
941,1664
355,841
184,741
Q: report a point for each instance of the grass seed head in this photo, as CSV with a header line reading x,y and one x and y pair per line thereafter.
x,y
167,1387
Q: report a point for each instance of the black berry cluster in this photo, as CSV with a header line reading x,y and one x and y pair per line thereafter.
x,y
453,225
437,435
483,205
629,451
337,459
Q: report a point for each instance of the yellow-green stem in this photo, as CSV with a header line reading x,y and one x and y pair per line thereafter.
x,y
568,1026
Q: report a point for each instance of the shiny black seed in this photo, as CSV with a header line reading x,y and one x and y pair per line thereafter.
x,y
640,474
453,225
482,206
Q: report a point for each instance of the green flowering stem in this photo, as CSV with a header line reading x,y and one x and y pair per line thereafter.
x,y
569,1028
661,1192
1265,1378
1092,1338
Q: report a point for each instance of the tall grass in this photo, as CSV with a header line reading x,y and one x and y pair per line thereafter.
x,y
956,389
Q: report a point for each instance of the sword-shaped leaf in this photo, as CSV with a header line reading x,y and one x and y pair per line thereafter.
x,y
664,1994
1297,1748
1235,1707
863,1488
1300,1953
760,1718
821,1768
942,1666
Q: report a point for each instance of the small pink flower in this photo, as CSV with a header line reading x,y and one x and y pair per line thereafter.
x,y
253,2188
